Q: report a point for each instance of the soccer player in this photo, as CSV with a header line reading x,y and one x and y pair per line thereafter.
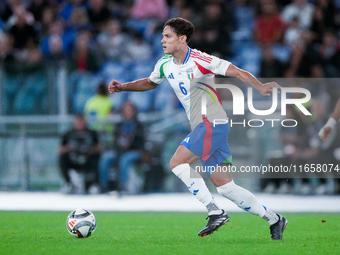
x,y
207,142
329,126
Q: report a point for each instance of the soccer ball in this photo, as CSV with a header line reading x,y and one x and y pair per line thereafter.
x,y
81,223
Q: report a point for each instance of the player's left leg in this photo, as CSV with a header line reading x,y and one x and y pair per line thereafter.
x,y
241,197
247,201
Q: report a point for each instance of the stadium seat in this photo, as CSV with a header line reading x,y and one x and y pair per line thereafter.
x,y
116,70
31,98
157,47
118,100
11,85
141,70
144,101
84,87
281,52
244,22
249,56
139,25
164,97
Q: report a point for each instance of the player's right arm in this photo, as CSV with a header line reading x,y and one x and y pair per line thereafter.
x,y
329,126
156,77
138,85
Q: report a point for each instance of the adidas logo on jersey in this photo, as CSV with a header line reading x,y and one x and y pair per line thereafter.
x,y
171,76
195,192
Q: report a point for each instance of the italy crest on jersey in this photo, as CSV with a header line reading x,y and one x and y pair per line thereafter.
x,y
190,73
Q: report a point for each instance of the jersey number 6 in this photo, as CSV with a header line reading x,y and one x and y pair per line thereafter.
x,y
184,91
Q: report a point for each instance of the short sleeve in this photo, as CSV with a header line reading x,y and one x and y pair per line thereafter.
x,y
210,64
219,66
157,75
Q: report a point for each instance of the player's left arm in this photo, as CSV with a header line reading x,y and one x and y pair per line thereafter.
x,y
248,78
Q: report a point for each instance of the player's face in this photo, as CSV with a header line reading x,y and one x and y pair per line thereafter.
x,y
171,42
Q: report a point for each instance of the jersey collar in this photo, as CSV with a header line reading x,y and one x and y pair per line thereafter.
x,y
186,59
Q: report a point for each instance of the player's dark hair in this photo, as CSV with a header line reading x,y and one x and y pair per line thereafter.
x,y
181,27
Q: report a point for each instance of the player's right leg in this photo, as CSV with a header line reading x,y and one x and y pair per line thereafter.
x,y
180,166
243,198
247,201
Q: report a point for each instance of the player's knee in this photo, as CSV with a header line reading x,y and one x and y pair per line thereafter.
x,y
173,163
218,182
176,161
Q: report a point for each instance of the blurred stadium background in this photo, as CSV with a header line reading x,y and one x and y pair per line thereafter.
x,y
53,54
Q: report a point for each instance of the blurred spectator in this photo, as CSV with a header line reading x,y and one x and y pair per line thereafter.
x,y
48,16
129,143
293,32
175,8
215,31
153,167
271,67
7,9
98,14
330,133
98,108
146,15
283,3
80,151
22,31
330,126
84,59
68,6
314,151
291,140
55,48
78,20
269,27
36,7
324,18
304,61
57,44
196,41
35,55
329,53
19,9
137,49
301,9
120,9
25,85
6,54
187,12
111,41
30,56
150,9
244,21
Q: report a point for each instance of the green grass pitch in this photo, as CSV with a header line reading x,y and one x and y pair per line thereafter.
x,y
26,233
